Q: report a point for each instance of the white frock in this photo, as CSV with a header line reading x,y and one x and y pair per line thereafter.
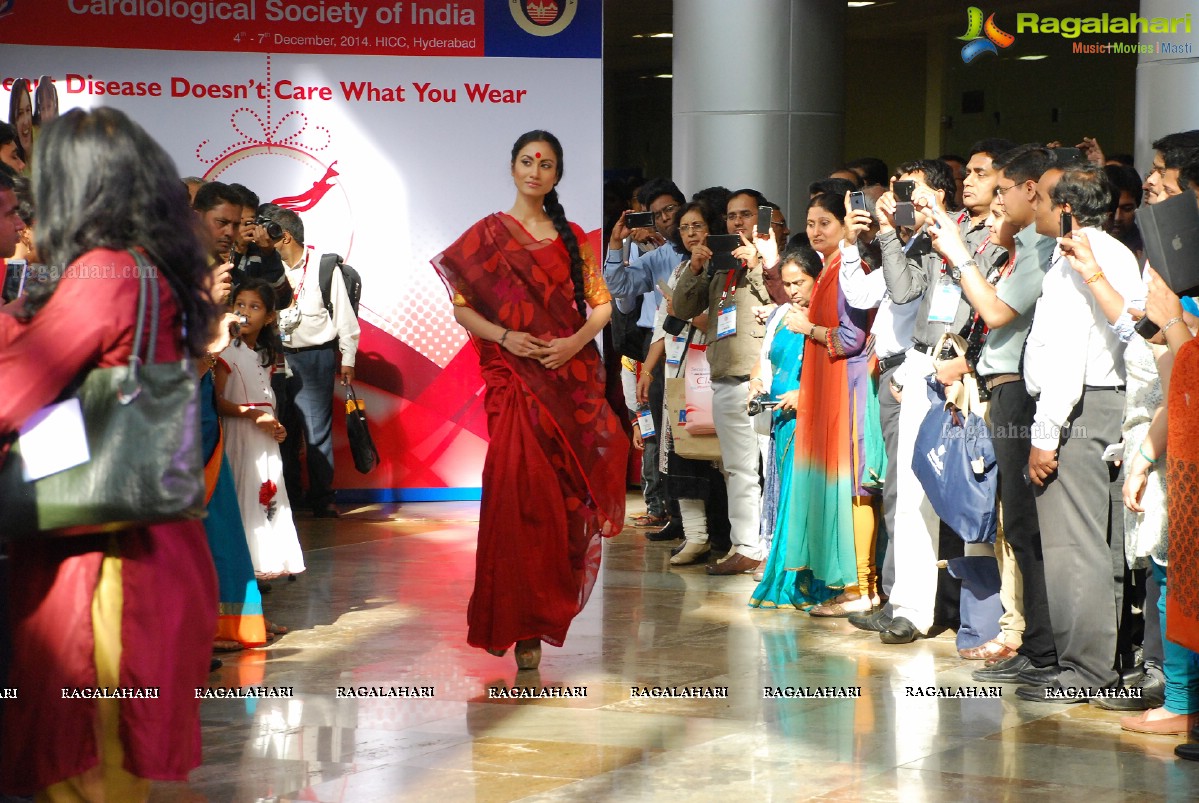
x,y
255,460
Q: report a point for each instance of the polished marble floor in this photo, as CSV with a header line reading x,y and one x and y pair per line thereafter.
x,y
383,604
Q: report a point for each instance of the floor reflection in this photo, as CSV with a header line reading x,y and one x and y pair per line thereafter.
x,y
387,703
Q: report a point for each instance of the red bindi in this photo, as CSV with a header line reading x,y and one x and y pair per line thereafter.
x,y
537,155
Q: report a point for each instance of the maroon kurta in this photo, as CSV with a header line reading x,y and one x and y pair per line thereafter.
x,y
168,581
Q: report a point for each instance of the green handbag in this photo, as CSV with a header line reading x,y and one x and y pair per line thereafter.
x,y
142,422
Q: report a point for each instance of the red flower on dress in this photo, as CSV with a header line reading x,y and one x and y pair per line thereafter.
x,y
266,498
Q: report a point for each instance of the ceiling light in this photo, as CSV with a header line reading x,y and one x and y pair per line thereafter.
x,y
1031,58
664,75
859,3
653,36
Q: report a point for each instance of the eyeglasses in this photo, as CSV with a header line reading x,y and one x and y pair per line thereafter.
x,y
690,227
665,212
741,214
1001,190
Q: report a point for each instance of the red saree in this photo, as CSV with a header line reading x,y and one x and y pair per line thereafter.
x,y
1182,498
555,468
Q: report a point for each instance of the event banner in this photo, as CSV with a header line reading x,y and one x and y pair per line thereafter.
x,y
386,125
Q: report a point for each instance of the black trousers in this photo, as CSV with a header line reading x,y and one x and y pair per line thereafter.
x,y
1012,411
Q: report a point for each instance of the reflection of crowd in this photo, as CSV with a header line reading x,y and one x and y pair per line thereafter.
x,y
1013,277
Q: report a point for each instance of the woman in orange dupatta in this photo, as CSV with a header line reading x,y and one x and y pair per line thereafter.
x,y
554,476
830,542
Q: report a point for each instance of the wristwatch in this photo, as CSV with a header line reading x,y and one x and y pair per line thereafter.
x,y
955,272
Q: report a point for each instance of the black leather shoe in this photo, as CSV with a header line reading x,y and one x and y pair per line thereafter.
x,y
876,621
1053,692
1188,751
1039,675
671,532
214,664
1006,671
900,631
1153,695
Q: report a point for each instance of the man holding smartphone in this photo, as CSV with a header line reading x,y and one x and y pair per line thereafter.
x,y
735,337
629,280
1074,369
1006,307
914,273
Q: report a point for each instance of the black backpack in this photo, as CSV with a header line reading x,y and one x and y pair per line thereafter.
x,y
350,276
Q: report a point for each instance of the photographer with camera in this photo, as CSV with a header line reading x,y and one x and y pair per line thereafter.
x,y
729,295
912,271
312,340
628,281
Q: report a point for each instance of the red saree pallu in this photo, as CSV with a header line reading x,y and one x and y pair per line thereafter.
x,y
554,475
1182,498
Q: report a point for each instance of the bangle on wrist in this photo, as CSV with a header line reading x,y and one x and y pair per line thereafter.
x,y
504,335
1171,322
1096,276
1141,451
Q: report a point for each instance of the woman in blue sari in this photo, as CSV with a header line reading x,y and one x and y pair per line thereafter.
x,y
777,376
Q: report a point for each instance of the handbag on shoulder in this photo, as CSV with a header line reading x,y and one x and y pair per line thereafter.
x,y
362,446
954,458
143,464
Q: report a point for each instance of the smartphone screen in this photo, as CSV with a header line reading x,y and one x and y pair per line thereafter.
x,y
20,268
764,213
1066,225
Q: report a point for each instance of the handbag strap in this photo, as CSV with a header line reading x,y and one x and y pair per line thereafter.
x,y
687,345
131,387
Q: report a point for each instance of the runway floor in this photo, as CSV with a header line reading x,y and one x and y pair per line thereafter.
x,y
383,606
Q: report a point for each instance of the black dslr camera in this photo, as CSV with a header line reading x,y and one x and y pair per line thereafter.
x,y
760,403
272,229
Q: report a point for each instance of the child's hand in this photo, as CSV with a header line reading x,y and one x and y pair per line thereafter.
x,y
271,426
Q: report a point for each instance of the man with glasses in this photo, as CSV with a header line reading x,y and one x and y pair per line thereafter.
x,y
1007,307
734,344
640,278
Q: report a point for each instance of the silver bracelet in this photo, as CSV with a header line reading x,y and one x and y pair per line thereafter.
x,y
1171,322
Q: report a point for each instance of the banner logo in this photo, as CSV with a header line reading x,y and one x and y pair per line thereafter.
x,y
6,7
543,17
982,38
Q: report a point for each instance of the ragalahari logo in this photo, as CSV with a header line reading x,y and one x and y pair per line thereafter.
x,y
6,7
982,37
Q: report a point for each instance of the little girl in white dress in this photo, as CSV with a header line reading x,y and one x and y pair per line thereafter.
x,y
252,435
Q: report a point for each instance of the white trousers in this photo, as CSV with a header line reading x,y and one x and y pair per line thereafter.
x,y
916,525
740,454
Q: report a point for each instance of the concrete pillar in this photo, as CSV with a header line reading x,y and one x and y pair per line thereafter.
x,y
1167,83
758,96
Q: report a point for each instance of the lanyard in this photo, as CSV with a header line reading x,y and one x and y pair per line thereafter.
x,y
730,282
303,277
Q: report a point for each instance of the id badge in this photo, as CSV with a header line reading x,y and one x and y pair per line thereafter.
x,y
726,322
646,422
944,307
674,350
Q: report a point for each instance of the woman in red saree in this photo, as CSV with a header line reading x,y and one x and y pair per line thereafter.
x,y
554,476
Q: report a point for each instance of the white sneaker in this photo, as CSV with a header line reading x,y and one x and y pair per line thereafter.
x,y
692,552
